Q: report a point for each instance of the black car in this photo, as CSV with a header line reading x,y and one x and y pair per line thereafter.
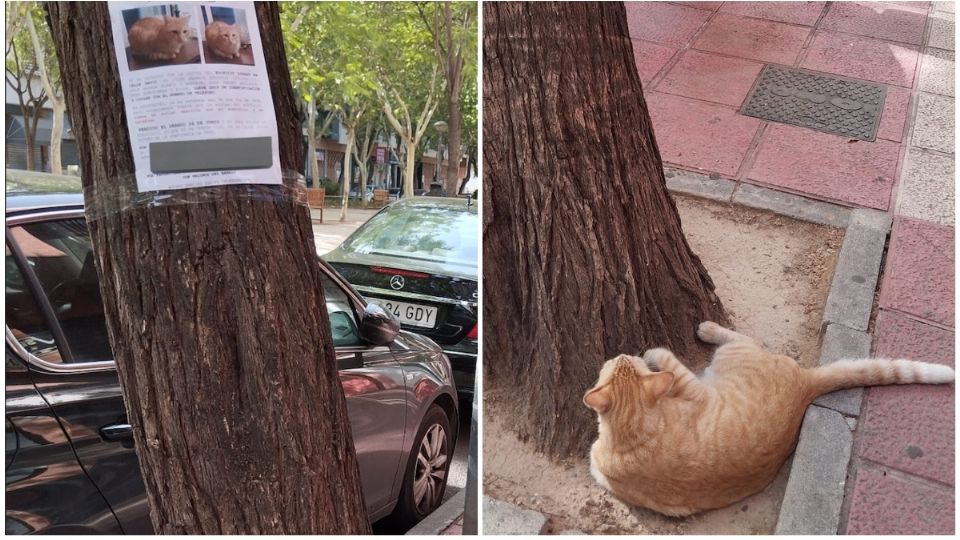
x,y
417,258
70,461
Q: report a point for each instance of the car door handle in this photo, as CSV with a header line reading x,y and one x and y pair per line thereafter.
x,y
116,432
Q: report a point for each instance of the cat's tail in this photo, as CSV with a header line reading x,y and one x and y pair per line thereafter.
x,y
852,373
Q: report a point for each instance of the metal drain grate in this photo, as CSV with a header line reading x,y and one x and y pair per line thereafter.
x,y
837,105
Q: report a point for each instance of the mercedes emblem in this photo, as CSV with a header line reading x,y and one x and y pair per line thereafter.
x,y
396,283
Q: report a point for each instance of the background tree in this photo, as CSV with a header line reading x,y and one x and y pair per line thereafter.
x,y
21,75
42,43
310,47
369,131
452,26
585,257
205,353
408,78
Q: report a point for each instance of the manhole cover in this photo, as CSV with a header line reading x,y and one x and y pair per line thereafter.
x,y
831,104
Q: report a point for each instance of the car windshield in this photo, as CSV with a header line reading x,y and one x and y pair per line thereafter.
x,y
445,234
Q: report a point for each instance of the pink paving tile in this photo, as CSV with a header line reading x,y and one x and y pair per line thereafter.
x,y
826,166
898,336
876,20
918,278
752,38
886,503
650,58
709,6
863,58
711,78
700,135
894,114
805,13
667,24
911,427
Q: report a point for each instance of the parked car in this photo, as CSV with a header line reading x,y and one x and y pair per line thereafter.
x,y
395,193
71,464
417,258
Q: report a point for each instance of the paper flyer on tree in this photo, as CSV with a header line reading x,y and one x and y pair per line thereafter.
x,y
196,94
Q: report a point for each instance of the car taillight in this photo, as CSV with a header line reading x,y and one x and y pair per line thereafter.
x,y
398,272
472,335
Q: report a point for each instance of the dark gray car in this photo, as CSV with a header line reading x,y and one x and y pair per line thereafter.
x,y
71,465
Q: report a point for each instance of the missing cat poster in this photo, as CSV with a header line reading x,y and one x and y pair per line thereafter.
x,y
196,93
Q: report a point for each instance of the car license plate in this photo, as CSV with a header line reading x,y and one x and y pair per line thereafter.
x,y
412,314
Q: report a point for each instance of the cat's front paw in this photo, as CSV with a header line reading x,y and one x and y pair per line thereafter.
x,y
710,332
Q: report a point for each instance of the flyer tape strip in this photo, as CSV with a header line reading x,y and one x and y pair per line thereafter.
x,y
121,195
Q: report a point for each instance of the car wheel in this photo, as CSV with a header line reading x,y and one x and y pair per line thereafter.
x,y
425,478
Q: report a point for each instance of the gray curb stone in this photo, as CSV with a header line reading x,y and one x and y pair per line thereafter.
x,y
814,494
501,517
795,206
840,342
442,517
699,185
858,268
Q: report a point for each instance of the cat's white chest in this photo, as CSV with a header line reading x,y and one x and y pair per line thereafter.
x,y
597,475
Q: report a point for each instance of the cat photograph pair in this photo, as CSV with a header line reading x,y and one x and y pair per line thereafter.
x,y
164,36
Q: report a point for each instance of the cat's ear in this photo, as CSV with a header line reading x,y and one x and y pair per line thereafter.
x,y
598,398
658,384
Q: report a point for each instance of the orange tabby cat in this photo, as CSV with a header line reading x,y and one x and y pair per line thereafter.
x,y
679,444
223,39
159,38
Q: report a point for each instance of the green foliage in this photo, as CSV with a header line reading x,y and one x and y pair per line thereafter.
x,y
325,45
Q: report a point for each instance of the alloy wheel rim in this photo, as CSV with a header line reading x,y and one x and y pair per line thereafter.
x,y
431,469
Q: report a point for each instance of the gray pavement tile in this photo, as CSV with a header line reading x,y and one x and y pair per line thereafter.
x,y
933,128
941,31
947,7
937,72
928,187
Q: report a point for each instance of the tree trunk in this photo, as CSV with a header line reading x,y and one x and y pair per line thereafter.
x,y
56,136
410,147
453,149
239,418
312,142
585,257
347,169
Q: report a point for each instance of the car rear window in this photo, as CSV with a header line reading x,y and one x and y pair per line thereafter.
x,y
431,233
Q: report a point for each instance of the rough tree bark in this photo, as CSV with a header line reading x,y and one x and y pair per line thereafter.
x,y
239,419
584,255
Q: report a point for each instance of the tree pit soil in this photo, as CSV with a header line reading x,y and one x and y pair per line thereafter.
x,y
773,275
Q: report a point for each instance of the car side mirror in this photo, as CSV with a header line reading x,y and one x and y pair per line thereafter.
x,y
378,326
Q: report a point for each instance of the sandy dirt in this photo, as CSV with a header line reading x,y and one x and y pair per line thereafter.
x,y
773,274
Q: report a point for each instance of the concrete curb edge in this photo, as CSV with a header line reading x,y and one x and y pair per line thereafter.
x,y
442,517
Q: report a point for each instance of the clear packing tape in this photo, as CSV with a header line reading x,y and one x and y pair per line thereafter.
x,y
121,195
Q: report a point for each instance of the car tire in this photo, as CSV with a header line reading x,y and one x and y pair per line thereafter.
x,y
425,477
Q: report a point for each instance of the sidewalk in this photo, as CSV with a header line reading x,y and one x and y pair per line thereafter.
x,y
332,231
699,60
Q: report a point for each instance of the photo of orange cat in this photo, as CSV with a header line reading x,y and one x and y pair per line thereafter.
x,y
223,39
159,37
225,36
680,444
